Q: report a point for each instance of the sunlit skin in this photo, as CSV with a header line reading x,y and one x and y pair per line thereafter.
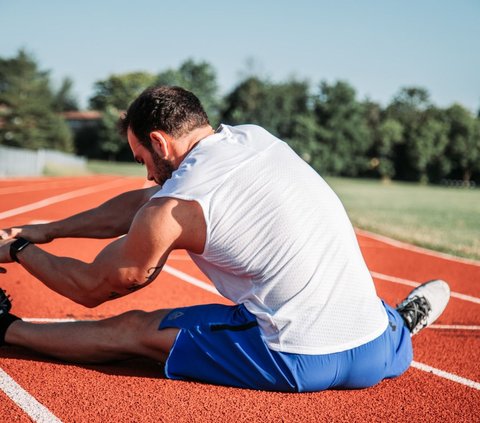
x,y
166,153
152,228
158,168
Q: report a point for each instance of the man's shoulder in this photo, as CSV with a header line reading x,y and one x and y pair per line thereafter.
x,y
252,137
247,128
212,161
165,213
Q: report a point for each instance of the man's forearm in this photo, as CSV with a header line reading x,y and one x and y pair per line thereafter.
x,y
112,274
68,277
111,219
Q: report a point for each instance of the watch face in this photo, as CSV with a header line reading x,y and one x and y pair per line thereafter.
x,y
20,243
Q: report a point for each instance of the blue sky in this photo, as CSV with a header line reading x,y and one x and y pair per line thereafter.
x,y
377,46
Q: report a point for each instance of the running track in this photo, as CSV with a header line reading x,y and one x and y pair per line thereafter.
x,y
442,385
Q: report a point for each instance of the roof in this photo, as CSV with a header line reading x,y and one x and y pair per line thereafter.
x,y
82,115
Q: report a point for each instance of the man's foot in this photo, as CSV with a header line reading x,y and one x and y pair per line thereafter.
x,y
6,319
424,305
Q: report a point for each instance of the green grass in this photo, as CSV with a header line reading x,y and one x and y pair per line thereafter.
x,y
63,170
116,168
439,218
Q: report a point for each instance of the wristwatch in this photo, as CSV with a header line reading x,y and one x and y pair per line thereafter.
x,y
18,245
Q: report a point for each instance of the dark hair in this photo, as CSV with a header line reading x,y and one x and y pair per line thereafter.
x,y
173,110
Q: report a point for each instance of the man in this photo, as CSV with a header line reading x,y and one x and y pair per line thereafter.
x,y
263,226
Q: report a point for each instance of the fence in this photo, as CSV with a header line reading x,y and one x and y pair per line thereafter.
x,y
20,162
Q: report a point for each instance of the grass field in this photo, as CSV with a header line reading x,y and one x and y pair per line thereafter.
x,y
440,218
121,168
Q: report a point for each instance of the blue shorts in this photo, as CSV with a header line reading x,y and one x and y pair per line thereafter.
x,y
223,345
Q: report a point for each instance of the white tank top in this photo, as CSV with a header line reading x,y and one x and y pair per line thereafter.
x,y
279,241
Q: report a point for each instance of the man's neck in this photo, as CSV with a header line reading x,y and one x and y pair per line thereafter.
x,y
186,143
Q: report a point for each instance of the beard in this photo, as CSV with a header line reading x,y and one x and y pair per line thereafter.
x,y
163,169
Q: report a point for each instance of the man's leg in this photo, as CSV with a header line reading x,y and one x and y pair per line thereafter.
x,y
131,334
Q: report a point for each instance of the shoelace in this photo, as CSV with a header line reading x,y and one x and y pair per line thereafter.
x,y
415,313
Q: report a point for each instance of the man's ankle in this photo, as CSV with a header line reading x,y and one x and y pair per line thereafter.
x,y
5,322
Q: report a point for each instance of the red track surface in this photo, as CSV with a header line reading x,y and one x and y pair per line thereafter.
x,y
136,391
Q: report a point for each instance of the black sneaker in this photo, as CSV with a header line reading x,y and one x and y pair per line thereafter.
x,y
424,305
6,318
5,304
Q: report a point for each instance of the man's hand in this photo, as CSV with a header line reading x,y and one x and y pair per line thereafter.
x,y
37,234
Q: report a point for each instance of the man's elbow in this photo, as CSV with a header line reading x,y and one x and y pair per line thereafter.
x,y
93,302
89,298
88,301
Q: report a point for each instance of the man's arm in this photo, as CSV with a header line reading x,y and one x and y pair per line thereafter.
x,y
125,265
111,219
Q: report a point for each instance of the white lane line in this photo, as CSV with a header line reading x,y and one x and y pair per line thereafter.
x,y
455,327
62,197
190,279
446,375
415,284
36,186
414,248
50,319
36,411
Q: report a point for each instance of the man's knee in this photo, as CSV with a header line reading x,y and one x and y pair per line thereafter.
x,y
155,339
137,332
120,331
127,322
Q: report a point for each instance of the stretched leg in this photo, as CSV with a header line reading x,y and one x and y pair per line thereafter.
x,y
130,334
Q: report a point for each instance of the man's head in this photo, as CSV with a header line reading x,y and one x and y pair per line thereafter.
x,y
172,110
155,121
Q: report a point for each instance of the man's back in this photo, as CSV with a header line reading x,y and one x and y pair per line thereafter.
x,y
279,241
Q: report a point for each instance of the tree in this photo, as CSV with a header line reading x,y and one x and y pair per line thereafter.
x,y
283,109
390,134
384,133
120,90
113,96
464,141
273,106
110,142
429,145
198,77
27,113
247,103
408,108
343,132
305,133
290,109
64,100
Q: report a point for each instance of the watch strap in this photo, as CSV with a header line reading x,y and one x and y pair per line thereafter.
x,y
18,245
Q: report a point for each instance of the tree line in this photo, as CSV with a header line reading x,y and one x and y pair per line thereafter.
x,y
338,134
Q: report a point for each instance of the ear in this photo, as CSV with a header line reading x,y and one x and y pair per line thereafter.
x,y
160,143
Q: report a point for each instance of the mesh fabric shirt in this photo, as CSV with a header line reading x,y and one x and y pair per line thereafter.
x,y
279,241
